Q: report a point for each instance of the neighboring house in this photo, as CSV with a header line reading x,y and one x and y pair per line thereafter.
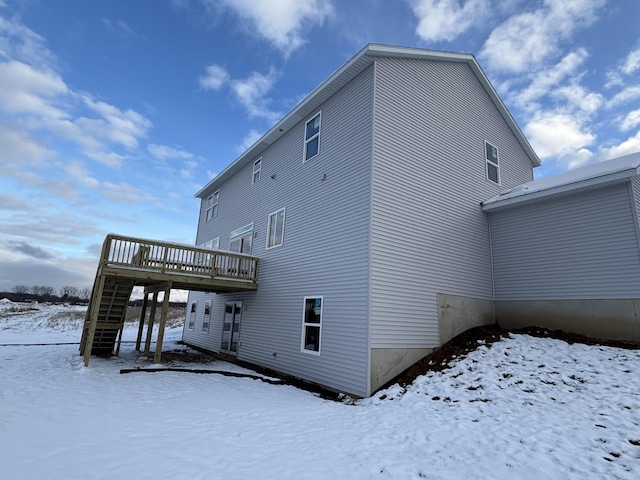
x,y
566,251
363,205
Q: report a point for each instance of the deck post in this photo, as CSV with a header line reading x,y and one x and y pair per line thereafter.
x,y
95,310
152,317
163,321
141,326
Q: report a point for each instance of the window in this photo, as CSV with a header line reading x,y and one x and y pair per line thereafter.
x,y
312,138
240,240
207,316
215,243
192,315
312,325
212,206
257,168
275,234
491,155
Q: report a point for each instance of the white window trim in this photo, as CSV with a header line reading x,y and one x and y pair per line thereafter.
x,y
207,304
258,171
212,207
305,324
309,140
489,162
274,214
193,314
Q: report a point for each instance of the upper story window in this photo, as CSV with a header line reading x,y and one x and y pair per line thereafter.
x,y
212,206
493,168
257,169
275,233
312,137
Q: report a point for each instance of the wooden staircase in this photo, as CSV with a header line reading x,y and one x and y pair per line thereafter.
x,y
112,308
127,262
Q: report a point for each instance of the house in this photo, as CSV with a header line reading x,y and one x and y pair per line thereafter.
x,y
566,251
363,205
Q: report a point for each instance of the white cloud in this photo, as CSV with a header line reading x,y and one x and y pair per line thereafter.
x,y
528,40
631,64
248,140
25,90
123,193
119,27
214,78
115,126
252,91
280,22
579,98
624,96
36,97
557,135
630,145
163,152
631,120
447,19
79,174
547,80
18,41
17,146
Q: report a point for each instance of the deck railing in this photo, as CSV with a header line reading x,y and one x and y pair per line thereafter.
x,y
165,257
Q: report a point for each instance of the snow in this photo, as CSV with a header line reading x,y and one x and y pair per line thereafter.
x,y
574,178
523,407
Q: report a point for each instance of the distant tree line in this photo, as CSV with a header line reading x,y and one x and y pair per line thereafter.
x,y
43,293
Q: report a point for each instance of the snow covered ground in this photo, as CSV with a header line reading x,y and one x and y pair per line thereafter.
x,y
523,408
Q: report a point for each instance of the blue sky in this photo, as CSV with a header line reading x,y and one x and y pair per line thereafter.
x,y
114,113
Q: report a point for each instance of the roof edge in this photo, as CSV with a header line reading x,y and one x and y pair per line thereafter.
x,y
593,182
371,51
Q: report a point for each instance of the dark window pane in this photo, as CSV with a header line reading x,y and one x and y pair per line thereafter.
x,y
312,310
312,148
492,172
492,153
313,127
312,339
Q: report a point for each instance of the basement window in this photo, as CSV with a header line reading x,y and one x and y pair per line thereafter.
x,y
312,325
493,168
207,317
192,315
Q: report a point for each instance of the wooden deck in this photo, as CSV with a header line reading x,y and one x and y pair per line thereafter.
x,y
127,262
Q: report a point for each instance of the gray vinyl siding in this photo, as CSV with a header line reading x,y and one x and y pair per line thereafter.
x,y
579,246
429,235
325,250
635,191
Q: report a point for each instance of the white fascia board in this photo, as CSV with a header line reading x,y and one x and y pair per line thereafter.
x,y
601,181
